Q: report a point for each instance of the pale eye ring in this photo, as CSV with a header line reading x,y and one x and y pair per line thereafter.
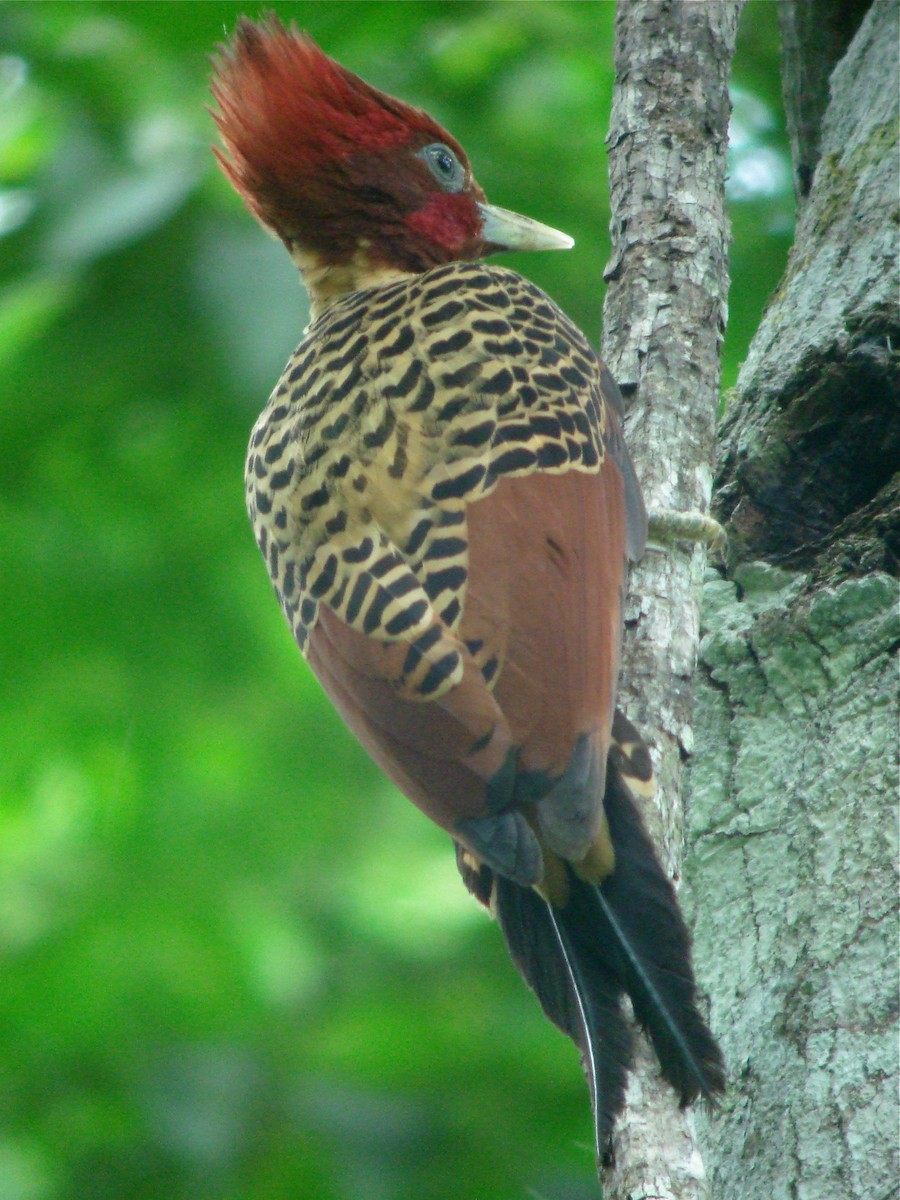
x,y
444,166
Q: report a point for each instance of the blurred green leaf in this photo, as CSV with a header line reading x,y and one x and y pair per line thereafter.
x,y
116,211
28,308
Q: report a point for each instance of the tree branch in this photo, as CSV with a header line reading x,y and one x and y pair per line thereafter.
x,y
664,317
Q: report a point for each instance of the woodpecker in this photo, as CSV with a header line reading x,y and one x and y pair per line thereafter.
x,y
442,495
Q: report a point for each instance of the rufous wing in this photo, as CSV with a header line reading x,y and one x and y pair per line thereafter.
x,y
546,576
527,728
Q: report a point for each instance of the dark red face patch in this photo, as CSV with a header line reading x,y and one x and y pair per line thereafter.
x,y
451,222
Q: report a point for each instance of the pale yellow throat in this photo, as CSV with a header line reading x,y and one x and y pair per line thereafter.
x,y
327,282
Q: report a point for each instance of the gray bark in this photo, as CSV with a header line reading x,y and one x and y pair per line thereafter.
x,y
663,321
792,789
815,35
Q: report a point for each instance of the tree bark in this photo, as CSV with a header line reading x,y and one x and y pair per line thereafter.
x,y
664,317
815,35
792,791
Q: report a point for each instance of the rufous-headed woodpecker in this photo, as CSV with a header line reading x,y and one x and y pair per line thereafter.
x,y
439,487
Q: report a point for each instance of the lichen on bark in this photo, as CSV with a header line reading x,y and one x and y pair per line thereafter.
x,y
791,882
792,789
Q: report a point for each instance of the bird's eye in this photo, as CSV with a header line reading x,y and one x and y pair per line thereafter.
x,y
445,167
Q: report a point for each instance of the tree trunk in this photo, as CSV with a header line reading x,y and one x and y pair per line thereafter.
x,y
663,322
815,35
792,789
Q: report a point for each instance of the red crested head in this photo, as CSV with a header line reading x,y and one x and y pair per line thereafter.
x,y
335,167
355,183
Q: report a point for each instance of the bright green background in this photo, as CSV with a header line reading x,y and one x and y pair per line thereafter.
x,y
236,964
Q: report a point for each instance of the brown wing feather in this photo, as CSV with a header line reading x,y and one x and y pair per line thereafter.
x,y
453,756
441,753
562,579
539,640
547,552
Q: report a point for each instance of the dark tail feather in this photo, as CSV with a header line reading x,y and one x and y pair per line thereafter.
x,y
578,993
638,906
626,935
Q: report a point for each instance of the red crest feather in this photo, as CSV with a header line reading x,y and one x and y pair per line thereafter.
x,y
287,110
330,163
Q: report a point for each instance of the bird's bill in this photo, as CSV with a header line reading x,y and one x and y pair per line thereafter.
x,y
509,231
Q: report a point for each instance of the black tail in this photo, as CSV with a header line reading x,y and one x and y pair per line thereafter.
x,y
577,991
625,936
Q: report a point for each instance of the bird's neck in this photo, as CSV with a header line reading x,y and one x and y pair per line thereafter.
x,y
328,282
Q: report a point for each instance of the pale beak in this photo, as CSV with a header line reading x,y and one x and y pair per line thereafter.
x,y
509,231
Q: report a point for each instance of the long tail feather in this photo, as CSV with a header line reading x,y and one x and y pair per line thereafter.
x,y
576,991
626,935
637,903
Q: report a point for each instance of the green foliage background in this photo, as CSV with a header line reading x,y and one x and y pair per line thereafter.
x,y
235,963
